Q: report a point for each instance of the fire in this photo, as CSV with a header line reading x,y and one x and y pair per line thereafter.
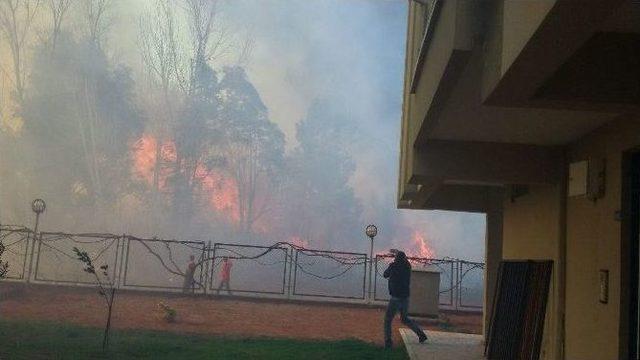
x,y
144,159
222,190
218,186
298,241
424,250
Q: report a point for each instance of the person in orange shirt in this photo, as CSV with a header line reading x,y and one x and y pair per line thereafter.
x,y
225,275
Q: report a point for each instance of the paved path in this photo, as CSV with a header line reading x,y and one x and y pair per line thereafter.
x,y
443,346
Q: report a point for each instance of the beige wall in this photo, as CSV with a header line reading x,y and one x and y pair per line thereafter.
x,y
520,21
435,63
532,230
593,243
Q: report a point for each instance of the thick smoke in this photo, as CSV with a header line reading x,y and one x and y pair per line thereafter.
x,y
282,126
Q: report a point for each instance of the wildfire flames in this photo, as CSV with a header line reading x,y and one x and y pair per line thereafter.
x,y
221,189
420,243
144,159
296,240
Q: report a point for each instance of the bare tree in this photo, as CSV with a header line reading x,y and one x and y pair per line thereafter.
x,y
159,44
96,18
202,18
161,56
246,51
106,288
58,9
202,14
16,20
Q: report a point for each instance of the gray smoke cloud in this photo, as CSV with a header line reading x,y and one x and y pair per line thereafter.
x,y
302,50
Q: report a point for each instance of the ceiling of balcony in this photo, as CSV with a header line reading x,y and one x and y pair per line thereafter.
x,y
465,118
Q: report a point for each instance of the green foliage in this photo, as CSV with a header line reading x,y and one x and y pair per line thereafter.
x,y
60,341
168,313
83,256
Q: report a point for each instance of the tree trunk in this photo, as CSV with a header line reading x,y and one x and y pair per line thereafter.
x,y
105,339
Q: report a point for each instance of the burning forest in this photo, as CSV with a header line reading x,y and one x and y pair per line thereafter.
x,y
160,120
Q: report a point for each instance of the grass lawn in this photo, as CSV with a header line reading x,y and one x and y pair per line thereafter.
x,y
42,340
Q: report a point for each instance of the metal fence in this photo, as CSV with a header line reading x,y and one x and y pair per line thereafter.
x,y
256,269
461,282
329,274
16,242
160,264
55,260
280,270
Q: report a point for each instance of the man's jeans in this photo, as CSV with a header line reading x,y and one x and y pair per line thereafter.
x,y
395,305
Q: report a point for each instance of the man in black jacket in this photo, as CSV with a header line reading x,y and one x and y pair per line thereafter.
x,y
399,275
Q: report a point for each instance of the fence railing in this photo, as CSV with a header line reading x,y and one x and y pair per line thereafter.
x,y
329,274
16,242
256,269
280,270
461,282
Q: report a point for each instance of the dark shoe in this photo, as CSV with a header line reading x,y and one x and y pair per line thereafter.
x,y
388,346
422,338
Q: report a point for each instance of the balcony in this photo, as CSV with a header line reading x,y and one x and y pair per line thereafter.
x,y
513,82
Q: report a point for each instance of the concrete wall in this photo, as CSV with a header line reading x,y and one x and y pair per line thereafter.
x,y
593,243
435,63
533,230
520,21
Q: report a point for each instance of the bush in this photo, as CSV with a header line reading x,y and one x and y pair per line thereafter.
x,y
167,313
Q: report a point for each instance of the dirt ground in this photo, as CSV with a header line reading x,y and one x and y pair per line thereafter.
x,y
234,317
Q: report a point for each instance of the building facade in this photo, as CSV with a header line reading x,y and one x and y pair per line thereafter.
x,y
529,111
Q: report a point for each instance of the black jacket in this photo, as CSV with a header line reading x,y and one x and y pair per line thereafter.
x,y
399,276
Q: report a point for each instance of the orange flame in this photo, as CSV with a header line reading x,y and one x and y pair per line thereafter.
x,y
424,250
144,159
221,189
298,241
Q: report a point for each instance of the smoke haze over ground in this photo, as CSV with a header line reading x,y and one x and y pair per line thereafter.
x,y
283,125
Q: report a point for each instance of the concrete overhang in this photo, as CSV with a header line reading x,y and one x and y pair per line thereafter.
x,y
456,197
492,123
482,163
442,56
582,55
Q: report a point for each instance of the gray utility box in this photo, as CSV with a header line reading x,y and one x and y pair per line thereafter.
x,y
425,293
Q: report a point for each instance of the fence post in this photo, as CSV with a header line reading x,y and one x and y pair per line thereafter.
x,y
120,255
35,240
457,287
116,272
122,273
291,265
205,267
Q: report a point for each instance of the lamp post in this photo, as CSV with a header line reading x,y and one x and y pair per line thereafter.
x,y
371,231
38,206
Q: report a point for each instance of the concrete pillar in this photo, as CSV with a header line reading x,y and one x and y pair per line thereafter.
x,y
493,256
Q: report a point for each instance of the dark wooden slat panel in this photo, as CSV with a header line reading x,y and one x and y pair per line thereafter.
x,y
519,310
